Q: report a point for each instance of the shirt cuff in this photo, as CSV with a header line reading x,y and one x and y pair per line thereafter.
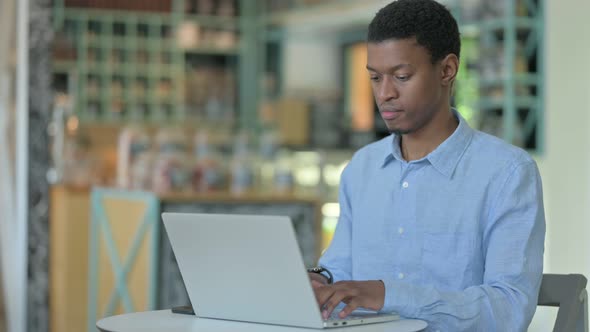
x,y
397,296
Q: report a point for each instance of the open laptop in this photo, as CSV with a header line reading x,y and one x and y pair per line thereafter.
x,y
249,268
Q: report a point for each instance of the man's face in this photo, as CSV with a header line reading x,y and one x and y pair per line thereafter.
x,y
406,85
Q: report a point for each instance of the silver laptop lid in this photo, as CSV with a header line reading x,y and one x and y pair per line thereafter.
x,y
244,268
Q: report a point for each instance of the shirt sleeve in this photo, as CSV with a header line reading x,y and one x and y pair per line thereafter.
x,y
513,244
337,258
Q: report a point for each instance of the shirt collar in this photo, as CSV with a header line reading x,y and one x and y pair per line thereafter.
x,y
445,157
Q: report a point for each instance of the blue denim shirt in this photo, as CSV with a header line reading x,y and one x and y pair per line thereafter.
x,y
457,237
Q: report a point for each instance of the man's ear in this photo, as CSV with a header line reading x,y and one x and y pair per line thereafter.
x,y
449,68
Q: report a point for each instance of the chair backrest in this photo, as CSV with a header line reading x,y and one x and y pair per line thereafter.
x,y
568,292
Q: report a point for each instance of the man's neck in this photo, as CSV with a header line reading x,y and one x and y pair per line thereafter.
x,y
418,145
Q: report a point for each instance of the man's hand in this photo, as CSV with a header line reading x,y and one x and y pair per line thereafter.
x,y
365,294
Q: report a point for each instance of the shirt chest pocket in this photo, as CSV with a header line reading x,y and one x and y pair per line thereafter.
x,y
448,258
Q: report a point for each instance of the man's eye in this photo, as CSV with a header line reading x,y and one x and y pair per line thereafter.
x,y
374,78
403,77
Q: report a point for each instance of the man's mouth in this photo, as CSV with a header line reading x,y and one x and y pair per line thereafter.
x,y
390,114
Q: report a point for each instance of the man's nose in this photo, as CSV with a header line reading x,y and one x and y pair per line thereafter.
x,y
387,90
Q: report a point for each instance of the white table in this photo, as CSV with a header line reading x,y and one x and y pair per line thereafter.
x,y
165,320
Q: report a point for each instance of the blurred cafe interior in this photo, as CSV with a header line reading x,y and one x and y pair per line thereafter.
x,y
138,107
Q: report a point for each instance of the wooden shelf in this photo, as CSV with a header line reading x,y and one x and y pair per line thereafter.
x,y
247,197
217,196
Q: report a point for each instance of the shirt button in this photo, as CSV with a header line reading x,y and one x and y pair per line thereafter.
x,y
405,184
400,276
400,230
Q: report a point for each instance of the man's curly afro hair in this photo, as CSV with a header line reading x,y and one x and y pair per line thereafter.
x,y
429,22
